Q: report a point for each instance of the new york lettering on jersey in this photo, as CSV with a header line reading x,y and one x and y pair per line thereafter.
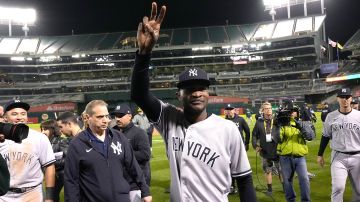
x,y
19,156
345,125
196,150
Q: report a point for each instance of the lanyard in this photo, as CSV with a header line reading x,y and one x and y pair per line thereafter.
x,y
265,124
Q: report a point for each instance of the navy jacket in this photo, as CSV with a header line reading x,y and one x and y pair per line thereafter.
x,y
92,176
243,126
140,144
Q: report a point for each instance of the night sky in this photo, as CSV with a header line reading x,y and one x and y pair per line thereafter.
x,y
60,17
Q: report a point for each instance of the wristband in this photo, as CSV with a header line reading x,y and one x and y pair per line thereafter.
x,y
49,193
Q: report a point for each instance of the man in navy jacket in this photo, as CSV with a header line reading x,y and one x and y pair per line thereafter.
x,y
139,142
96,160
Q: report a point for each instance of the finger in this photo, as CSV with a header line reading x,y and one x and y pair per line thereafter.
x,y
140,30
140,27
150,30
161,15
153,11
145,20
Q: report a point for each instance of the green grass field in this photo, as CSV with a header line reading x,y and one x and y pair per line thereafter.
x,y
320,185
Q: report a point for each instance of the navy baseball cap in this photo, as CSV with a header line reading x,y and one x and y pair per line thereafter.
x,y
355,101
12,104
344,92
122,109
193,76
229,107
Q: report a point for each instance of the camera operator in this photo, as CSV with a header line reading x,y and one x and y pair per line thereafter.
x,y
4,171
27,159
4,177
292,149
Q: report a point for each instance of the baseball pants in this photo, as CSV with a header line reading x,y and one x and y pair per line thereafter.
x,y
342,166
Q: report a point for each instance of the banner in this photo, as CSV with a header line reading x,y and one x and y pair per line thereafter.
x,y
54,107
328,68
226,100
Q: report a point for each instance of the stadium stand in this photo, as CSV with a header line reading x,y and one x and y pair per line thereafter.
x,y
281,57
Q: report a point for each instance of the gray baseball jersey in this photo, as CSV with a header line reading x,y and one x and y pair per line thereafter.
x,y
25,162
203,156
344,130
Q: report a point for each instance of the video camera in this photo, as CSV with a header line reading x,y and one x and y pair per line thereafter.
x,y
282,117
14,132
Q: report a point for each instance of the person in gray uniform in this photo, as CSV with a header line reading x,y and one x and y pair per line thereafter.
x,y
355,103
342,127
204,150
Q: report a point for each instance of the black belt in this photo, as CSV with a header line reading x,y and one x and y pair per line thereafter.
x,y
293,156
21,190
350,153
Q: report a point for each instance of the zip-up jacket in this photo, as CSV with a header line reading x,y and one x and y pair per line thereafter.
x,y
59,144
242,126
268,149
140,144
92,176
292,138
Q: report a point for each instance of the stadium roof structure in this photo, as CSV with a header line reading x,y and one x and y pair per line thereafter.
x,y
353,42
36,46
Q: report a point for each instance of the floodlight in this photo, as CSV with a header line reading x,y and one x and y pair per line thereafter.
x,y
18,16
269,4
274,3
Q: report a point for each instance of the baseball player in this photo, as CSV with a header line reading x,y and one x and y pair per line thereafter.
x,y
204,150
27,160
355,104
343,128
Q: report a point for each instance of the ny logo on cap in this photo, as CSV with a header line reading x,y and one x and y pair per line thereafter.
x,y
343,90
118,107
193,72
16,100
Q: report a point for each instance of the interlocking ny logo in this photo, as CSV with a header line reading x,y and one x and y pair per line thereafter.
x,y
343,90
193,72
116,148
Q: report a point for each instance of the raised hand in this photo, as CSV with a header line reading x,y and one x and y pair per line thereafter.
x,y
149,30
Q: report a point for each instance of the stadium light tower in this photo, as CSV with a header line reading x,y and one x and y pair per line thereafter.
x,y
272,5
17,16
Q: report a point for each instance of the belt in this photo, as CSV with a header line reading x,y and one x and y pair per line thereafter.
x,y
22,190
293,156
350,153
